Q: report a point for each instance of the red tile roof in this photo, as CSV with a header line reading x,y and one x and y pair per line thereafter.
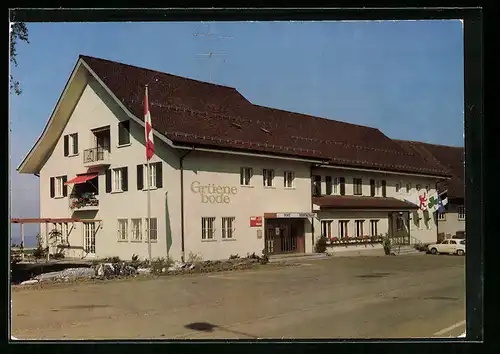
x,y
359,202
452,157
191,112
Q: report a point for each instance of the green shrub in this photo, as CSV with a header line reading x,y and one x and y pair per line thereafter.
x,y
387,245
194,258
320,246
265,257
158,264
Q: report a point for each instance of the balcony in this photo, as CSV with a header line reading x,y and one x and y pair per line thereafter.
x,y
84,202
97,156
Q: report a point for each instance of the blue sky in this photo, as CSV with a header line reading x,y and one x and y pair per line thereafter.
x,y
402,77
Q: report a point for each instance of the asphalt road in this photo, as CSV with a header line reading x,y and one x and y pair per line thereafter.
x,y
354,297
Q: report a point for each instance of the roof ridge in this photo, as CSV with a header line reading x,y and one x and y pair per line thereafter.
x,y
83,56
421,142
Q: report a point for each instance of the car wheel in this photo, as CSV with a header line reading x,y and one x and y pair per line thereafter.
x,y
460,252
434,250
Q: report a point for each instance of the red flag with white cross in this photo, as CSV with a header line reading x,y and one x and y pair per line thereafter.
x,y
150,147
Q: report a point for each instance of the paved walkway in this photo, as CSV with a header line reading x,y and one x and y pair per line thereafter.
x,y
359,297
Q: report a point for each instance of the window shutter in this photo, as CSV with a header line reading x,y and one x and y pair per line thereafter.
x,y
140,177
372,187
124,132
75,144
159,175
108,180
65,187
384,185
66,145
342,186
125,179
52,187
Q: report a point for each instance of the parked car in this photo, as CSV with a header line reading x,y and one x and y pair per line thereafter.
x,y
451,246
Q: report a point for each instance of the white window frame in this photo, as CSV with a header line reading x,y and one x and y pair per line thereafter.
x,y
228,227
207,232
336,186
327,224
378,188
461,212
358,223
122,232
372,223
152,182
341,222
136,229
289,177
71,144
399,186
58,187
117,177
246,174
268,177
154,231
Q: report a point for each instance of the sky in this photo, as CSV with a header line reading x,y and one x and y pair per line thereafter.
x,y
403,77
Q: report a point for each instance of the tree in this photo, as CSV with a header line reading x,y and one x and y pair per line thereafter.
x,y
19,31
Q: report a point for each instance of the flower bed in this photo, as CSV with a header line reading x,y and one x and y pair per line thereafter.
x,y
346,241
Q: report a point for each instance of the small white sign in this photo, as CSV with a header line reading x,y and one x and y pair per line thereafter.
x,y
277,231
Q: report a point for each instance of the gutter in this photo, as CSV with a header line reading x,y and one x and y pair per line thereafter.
x,y
181,166
312,205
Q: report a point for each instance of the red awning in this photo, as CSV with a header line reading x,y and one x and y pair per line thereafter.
x,y
82,178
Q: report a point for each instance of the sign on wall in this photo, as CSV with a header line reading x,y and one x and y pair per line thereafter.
x,y
294,215
213,194
255,221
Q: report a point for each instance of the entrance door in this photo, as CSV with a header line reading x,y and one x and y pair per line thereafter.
x,y
282,236
89,238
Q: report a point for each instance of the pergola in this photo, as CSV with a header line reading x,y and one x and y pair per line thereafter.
x,y
45,221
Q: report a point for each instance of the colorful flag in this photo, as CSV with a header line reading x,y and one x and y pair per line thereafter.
x,y
423,202
433,203
441,204
150,148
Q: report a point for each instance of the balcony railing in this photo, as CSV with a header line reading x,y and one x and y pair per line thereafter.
x,y
85,201
95,154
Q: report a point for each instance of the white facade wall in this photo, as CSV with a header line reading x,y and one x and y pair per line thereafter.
x,y
451,224
96,109
202,169
424,231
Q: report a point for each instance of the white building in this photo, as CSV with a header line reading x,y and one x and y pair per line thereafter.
x,y
228,176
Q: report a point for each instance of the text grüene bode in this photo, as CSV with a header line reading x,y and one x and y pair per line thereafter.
x,y
211,193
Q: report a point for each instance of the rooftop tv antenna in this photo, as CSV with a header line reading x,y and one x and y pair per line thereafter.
x,y
211,54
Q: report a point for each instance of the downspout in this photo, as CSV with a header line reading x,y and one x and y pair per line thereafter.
x,y
312,205
182,202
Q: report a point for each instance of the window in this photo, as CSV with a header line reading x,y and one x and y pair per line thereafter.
x,y
357,186
399,224
453,242
441,216
398,187
153,225
326,228
462,242
342,185
58,188
328,182
317,185
461,212
227,227
427,189
384,188
156,176
71,144
418,187
122,229
245,176
117,180
408,187
136,229
124,132
373,227
359,228
375,188
207,228
268,177
62,232
336,186
289,177
445,242
343,228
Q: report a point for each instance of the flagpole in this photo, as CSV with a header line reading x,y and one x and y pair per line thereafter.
x,y
148,191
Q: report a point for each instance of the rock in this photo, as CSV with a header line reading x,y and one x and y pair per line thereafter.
x,y
28,282
143,270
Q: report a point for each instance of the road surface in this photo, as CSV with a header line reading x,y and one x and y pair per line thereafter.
x,y
416,296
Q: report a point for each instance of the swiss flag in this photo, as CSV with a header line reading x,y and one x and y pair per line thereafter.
x,y
150,147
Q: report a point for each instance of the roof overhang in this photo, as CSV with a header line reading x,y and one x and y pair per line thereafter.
x,y
343,203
